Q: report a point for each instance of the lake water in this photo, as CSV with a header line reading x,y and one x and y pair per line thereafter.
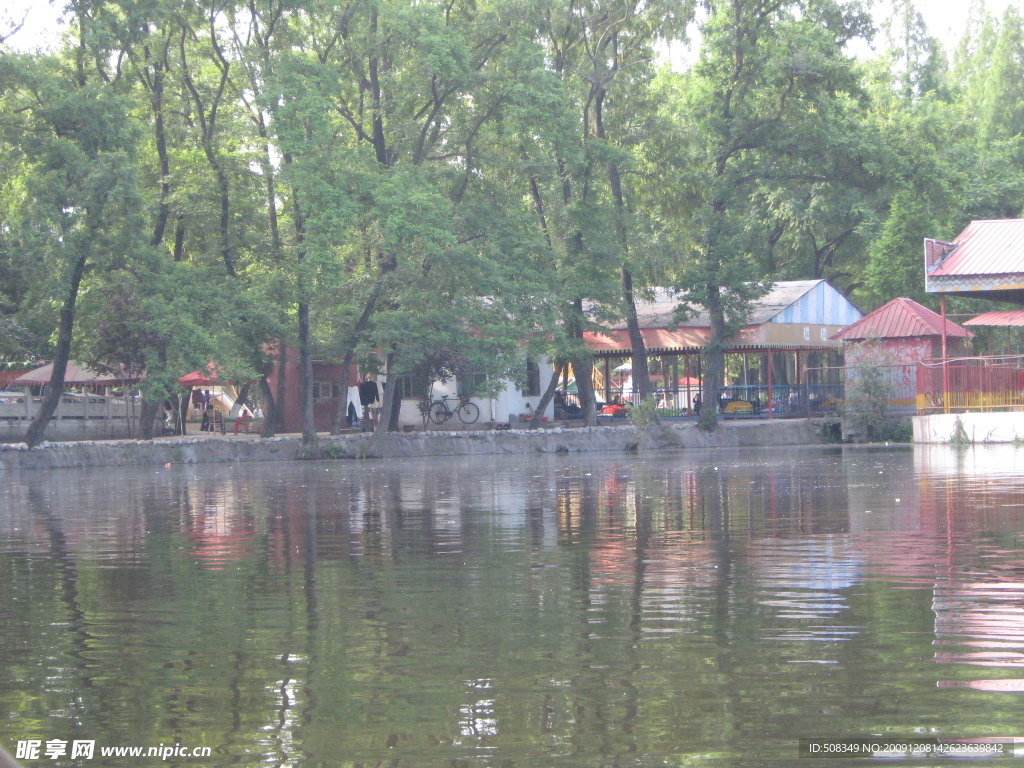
x,y
695,608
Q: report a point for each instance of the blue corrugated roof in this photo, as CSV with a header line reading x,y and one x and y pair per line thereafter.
x,y
819,304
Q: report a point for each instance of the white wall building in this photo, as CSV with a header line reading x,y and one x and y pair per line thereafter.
x,y
506,407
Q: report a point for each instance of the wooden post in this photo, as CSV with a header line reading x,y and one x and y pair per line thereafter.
x,y
769,384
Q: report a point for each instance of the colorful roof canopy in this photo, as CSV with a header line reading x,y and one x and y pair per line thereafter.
x,y
793,314
986,259
900,318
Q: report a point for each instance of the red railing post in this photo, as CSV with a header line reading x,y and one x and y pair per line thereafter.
x,y
945,357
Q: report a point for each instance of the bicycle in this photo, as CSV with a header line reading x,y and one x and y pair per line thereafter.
x,y
439,411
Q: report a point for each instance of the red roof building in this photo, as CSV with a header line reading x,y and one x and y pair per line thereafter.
x,y
906,332
986,260
900,318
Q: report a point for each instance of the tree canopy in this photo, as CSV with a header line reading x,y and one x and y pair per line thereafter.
x,y
466,180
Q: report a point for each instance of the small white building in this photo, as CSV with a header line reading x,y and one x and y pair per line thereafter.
x,y
510,405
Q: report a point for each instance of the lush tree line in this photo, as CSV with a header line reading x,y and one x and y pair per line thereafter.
x,y
446,181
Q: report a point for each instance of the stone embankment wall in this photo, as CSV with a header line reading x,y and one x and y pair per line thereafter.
x,y
214,450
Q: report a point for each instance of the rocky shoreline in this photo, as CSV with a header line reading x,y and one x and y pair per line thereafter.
x,y
217,450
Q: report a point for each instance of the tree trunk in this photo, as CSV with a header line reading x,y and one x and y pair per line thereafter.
x,y
584,370
545,399
388,401
34,434
309,438
152,406
180,411
396,411
282,365
147,418
270,417
638,359
157,103
243,395
640,374
714,368
387,265
388,395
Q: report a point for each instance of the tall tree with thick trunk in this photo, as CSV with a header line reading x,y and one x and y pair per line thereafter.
x,y
75,206
599,58
767,94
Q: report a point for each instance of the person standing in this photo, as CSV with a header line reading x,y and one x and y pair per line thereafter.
x,y
369,394
207,408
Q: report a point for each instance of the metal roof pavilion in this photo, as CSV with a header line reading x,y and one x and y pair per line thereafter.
x,y
1012,318
900,318
985,260
794,314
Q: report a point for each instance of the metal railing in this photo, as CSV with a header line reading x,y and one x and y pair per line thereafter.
x,y
971,384
963,384
754,401
863,383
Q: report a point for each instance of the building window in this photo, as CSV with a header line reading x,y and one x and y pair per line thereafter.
x,y
471,383
322,390
412,386
531,386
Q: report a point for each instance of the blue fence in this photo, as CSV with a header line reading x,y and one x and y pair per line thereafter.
x,y
754,401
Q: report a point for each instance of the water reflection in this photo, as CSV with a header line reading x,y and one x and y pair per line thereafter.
x,y
516,611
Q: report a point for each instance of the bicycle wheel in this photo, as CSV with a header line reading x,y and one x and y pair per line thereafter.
x,y
439,412
468,412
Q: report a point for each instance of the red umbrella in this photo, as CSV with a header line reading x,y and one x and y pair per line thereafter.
x,y
201,378
208,377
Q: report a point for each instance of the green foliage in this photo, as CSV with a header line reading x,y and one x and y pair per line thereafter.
x,y
959,438
419,177
895,257
748,128
868,391
644,414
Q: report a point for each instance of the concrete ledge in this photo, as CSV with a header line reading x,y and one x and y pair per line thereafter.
x,y
976,427
69,429
216,450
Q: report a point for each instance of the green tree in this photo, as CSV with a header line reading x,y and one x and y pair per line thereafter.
x,y
582,114
76,206
757,111
895,263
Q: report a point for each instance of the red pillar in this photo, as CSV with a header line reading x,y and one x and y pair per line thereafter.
x,y
945,362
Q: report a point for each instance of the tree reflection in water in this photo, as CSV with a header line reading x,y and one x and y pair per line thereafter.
x,y
515,610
